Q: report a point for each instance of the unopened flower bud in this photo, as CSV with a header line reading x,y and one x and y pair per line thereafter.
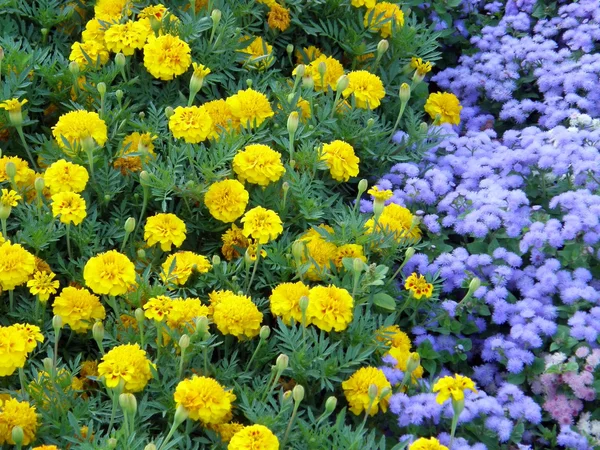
x,y
404,93
474,284
287,397
358,265
265,332
128,403
385,392
101,88
202,325
300,70
216,260
378,208
129,225
282,362
98,332
289,49
142,115
370,123
409,253
303,303
144,177
298,393
342,83
5,211
120,60
11,169
107,198
139,315
413,362
180,415
184,342
322,68
119,95
141,254
112,443
382,47
150,447
47,363
215,15
423,127
169,111
18,435
362,186
292,122
373,391
298,249
57,322
74,68
249,83
330,404
285,187
308,82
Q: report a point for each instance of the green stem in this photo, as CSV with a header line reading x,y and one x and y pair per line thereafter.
x,y
338,94
91,164
258,249
260,343
205,357
11,299
290,423
144,205
55,356
181,362
402,107
291,146
24,142
158,339
69,252
170,435
124,241
115,398
268,390
142,340
4,233
23,384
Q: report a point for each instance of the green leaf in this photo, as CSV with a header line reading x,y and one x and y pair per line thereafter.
x,y
429,365
385,301
516,378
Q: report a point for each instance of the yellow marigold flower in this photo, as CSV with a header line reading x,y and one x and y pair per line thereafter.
x,y
126,37
238,316
69,206
156,11
136,148
381,195
9,198
14,413
251,108
393,336
110,273
185,263
269,3
84,52
320,253
45,447
78,308
157,308
285,301
419,286
200,70
2,240
427,444
226,200
356,390
13,105
64,176
454,387
13,350
258,164
165,229
252,250
341,160
204,399
193,124
334,70
127,363
330,307
254,437
184,311
395,219
233,240
43,285
422,68
166,57
16,265
260,53
222,118
443,107
348,251
308,54
401,355
89,369
227,430
94,31
382,16
75,126
367,89
215,297
303,107
278,17
109,10
262,224
367,3
24,173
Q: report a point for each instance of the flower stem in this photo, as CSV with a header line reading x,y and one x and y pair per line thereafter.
x,y
258,249
69,252
23,384
4,233
113,412
181,362
402,107
260,342
290,423
11,299
24,142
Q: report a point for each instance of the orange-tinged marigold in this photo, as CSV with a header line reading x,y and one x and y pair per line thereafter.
x,y
157,308
110,273
234,241
278,17
418,286
204,399
349,251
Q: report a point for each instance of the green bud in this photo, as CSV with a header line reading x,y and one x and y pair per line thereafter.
x,y
404,93
11,169
358,265
289,49
1,54
382,47
57,323
139,315
342,83
202,325
181,414
107,198
409,253
303,303
474,284
101,88
5,211
285,187
184,341
18,435
141,253
98,331
129,225
120,60
385,392
265,332
378,208
112,443
249,83
169,111
119,95
287,397
322,68
216,260
413,362
300,70
144,178
373,391
423,127
150,447
128,403
298,250
74,68
48,364
370,123
282,362
298,393
362,186
215,15
292,122
330,404
142,115
308,83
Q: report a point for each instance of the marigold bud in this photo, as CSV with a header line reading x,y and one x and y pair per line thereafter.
x,y
215,15
413,362
373,391
308,82
47,363
362,186
180,415
129,225
409,253
298,249
287,397
298,393
330,404
169,111
5,211
292,122
289,49
119,95
98,332
385,392
474,284
1,53
342,83
18,435
144,177
139,315
282,362
285,187
184,342
249,83
11,169
423,127
150,447
303,303
74,68
300,70
404,93
322,68
57,323
378,207
120,60
216,260
128,403
101,88
382,47
265,332
141,253
202,325
112,443
358,265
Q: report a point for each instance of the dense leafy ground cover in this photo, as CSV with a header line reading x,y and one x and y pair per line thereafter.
x,y
308,224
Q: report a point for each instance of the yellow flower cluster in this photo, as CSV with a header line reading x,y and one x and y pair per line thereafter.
x,y
43,284
236,315
259,54
193,124
366,88
166,57
69,207
254,437
258,164
356,390
330,307
285,301
14,413
126,364
126,37
23,175
278,17
327,80
226,200
341,160
262,224
251,108
16,343
75,127
427,444
16,265
223,121
233,242
397,220
384,17
136,149
454,387
204,399
78,308
400,348
110,273
9,198
165,229
422,68
443,107
418,286
179,266
64,176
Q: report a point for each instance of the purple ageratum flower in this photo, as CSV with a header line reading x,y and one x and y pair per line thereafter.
x,y
571,440
418,409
